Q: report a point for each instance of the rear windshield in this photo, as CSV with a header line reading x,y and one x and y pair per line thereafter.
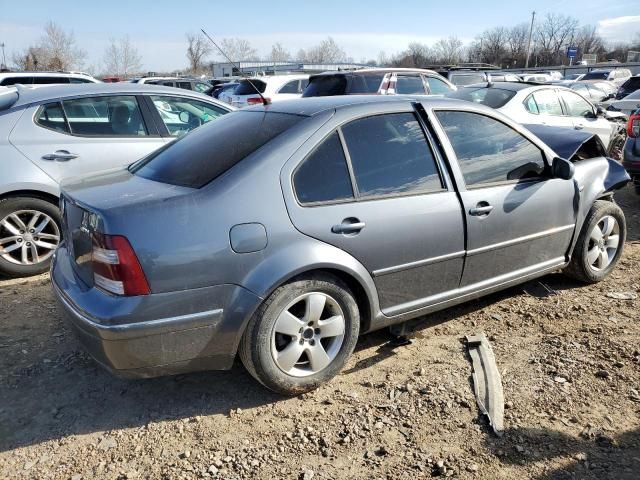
x,y
208,151
245,88
461,79
326,86
492,97
596,76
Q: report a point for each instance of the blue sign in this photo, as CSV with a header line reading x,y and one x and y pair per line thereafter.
x,y
572,52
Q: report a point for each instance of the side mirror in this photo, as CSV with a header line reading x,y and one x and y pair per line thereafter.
x,y
562,168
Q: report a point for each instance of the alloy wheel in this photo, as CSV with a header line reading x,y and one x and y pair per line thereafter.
x,y
28,237
603,243
308,334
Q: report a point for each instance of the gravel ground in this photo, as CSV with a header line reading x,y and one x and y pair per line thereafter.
x,y
570,364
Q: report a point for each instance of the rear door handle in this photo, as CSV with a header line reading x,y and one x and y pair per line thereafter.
x,y
348,225
63,155
481,209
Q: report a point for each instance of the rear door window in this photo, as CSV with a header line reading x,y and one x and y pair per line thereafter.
x,y
365,84
214,148
109,116
390,156
548,102
323,176
410,85
326,86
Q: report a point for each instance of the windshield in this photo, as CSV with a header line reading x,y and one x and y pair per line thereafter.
x,y
596,76
208,151
492,97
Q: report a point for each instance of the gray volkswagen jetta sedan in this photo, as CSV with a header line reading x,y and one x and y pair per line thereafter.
x,y
282,232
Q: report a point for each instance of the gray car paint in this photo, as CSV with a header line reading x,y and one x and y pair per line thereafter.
x,y
182,239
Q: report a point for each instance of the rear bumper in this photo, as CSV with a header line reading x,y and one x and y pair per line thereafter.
x,y
156,334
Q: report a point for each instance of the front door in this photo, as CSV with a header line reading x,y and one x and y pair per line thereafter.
x,y
80,136
519,220
374,189
584,116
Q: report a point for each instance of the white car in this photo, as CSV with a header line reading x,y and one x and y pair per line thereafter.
x,y
615,75
570,79
627,105
275,88
546,105
44,78
537,78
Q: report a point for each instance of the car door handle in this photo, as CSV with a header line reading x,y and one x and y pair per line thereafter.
x,y
63,155
481,209
348,225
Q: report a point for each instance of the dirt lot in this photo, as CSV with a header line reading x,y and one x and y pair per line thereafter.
x,y
570,363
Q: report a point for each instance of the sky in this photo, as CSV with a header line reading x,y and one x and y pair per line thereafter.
x,y
158,28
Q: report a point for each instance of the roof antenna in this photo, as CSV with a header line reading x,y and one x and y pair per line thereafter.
x,y
489,81
264,100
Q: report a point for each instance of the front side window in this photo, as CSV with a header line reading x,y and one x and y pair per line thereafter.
x,y
390,155
181,115
576,105
51,116
437,86
113,116
548,102
409,85
323,176
489,151
290,87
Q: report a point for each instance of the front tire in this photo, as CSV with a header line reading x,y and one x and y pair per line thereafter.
x,y
600,243
29,234
302,335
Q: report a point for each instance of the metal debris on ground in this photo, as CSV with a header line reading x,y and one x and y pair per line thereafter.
x,y
538,289
487,382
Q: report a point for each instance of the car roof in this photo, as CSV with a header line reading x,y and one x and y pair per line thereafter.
x,y
314,105
376,70
44,74
29,95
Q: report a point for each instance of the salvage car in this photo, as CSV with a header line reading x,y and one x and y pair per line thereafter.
x,y
273,89
282,232
51,133
631,157
627,105
549,105
378,81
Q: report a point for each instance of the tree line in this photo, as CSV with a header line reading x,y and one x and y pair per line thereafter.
x,y
505,47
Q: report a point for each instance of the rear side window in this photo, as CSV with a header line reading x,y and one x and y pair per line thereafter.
x,y
245,88
199,157
49,80
290,87
111,116
390,155
548,102
362,84
326,86
323,176
409,85
15,80
489,151
51,116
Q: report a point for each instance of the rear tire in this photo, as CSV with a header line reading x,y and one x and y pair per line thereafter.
x,y
600,243
29,232
302,335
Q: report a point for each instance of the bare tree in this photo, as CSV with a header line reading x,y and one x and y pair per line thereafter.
x,y
238,49
517,44
198,48
121,58
449,50
493,45
60,49
31,58
383,59
588,40
328,51
553,35
279,53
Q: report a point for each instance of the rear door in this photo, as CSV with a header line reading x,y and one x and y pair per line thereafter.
x,y
85,135
518,219
374,188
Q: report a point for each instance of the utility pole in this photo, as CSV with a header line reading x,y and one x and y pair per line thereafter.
x,y
4,59
533,16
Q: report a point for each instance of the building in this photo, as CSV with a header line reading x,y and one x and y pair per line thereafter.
x,y
220,70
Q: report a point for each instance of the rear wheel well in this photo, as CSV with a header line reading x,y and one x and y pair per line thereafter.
x,y
32,194
359,293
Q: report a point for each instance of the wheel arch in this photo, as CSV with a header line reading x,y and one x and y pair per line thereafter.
x,y
49,197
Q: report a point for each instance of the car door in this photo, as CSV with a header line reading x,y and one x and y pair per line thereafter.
x,y
179,115
374,187
584,116
549,108
84,135
519,220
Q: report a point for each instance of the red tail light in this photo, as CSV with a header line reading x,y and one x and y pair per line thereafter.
x,y
633,127
116,268
257,100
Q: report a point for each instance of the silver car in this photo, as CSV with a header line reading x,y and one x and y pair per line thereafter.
x,y
49,134
281,233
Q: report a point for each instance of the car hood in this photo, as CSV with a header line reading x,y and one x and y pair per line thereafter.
x,y
565,142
